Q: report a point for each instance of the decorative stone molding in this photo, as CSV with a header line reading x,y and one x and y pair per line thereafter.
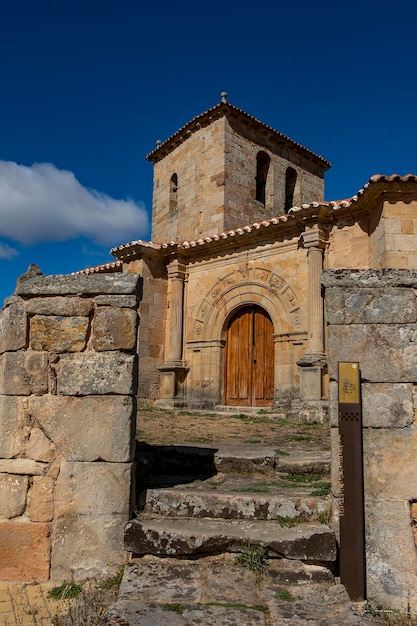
x,y
270,289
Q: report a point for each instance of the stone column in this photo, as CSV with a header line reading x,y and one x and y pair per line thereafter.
x,y
314,361
174,369
176,275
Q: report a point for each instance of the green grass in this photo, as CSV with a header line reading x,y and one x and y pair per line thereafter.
x,y
113,582
238,605
254,558
279,452
323,517
66,591
298,438
251,419
285,595
212,484
303,478
321,489
175,607
88,601
253,489
288,522
199,439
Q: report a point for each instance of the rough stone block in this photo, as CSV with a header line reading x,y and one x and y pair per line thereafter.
x,y
385,352
389,463
12,422
387,405
24,373
24,551
23,466
93,489
13,489
92,373
128,302
89,428
371,306
13,327
69,306
41,508
336,463
114,329
82,547
67,284
369,278
39,447
391,557
56,333
334,404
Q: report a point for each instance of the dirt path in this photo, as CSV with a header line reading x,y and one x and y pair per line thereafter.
x,y
168,427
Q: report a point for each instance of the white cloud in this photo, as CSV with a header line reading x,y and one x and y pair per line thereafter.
x,y
42,203
7,252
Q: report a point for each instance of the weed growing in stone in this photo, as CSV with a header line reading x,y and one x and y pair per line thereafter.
x,y
298,438
323,517
288,522
285,595
279,452
321,489
389,617
254,558
66,591
174,607
89,606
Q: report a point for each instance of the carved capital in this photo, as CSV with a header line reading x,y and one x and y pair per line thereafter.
x,y
177,269
316,238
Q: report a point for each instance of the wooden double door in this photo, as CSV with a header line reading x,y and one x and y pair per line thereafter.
x,y
249,359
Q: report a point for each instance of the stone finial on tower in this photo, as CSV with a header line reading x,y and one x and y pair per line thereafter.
x,y
224,96
158,143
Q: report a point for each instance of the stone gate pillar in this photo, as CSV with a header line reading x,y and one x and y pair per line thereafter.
x,y
314,361
174,369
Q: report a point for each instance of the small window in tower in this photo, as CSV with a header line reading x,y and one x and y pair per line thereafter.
x,y
262,168
173,191
290,181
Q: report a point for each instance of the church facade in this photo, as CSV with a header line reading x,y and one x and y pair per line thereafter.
x,y
232,309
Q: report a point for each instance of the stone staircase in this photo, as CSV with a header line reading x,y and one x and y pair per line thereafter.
x,y
194,500
235,534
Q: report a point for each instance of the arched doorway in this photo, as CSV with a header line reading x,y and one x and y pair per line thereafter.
x,y
249,358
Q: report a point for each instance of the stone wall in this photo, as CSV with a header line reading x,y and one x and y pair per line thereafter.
x,y
372,319
67,417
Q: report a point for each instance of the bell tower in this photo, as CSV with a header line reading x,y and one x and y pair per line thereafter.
x,y
225,169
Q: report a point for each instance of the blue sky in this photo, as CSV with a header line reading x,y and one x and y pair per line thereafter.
x,y
88,86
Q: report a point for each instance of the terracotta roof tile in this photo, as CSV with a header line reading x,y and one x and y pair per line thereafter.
x,y
123,250
215,112
113,266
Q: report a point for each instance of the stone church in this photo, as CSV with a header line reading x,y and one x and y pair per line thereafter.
x,y
232,309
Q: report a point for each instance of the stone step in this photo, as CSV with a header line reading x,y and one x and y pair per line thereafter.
x,y
236,497
199,536
218,591
206,461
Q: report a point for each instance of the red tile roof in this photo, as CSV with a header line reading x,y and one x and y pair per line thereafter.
x,y
105,268
215,112
128,249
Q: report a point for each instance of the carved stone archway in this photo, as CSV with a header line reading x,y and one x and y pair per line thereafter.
x,y
275,293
